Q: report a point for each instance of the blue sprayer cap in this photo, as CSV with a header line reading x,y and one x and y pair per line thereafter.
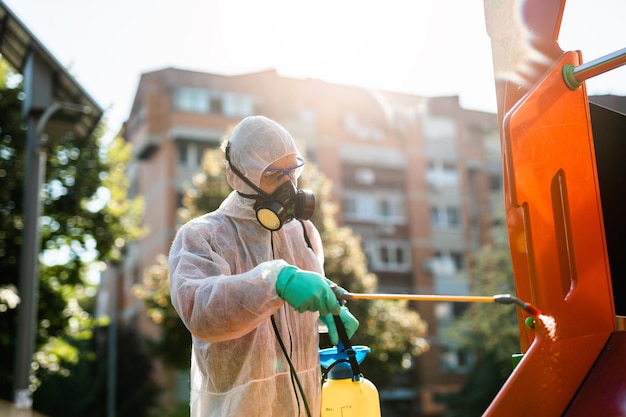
x,y
341,370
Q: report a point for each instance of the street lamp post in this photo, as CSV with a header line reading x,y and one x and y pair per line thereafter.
x,y
36,156
48,88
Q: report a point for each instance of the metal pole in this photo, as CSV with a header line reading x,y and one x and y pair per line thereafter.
x,y
574,76
31,246
112,350
418,297
29,268
498,298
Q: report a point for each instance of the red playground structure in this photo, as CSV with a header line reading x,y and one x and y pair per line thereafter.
x,y
564,182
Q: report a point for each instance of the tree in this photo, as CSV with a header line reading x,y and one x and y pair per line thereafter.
x,y
490,331
84,392
390,329
173,345
86,219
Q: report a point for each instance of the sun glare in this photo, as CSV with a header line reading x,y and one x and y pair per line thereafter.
x,y
346,40
324,32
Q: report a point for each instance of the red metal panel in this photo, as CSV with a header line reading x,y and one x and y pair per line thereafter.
x,y
557,242
553,209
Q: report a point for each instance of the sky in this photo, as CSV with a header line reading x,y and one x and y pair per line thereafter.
x,y
422,47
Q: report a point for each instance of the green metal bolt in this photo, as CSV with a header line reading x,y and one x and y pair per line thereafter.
x,y
530,322
569,77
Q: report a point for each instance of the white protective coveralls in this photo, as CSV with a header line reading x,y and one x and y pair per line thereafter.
x,y
222,280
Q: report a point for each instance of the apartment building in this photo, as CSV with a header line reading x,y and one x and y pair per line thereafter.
x,y
413,176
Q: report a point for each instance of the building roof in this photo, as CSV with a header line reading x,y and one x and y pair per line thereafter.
x,y
17,41
610,101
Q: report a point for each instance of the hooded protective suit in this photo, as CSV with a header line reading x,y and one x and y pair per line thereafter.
x,y
223,268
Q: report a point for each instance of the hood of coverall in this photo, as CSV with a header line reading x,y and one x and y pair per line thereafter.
x,y
255,144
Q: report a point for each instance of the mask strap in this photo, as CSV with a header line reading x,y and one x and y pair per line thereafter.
x,y
244,179
306,235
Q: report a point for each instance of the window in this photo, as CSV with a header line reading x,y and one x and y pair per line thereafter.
x,y
202,149
400,256
453,357
375,207
362,130
216,104
458,259
183,153
495,182
456,359
446,262
434,217
443,265
364,176
439,128
392,208
444,217
193,100
385,208
384,254
442,174
359,207
440,137
388,255
444,312
452,215
191,153
237,105
350,207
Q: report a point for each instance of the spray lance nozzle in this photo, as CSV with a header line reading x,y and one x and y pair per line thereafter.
x,y
509,299
499,298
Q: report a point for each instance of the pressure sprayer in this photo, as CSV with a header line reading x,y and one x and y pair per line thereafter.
x,y
345,391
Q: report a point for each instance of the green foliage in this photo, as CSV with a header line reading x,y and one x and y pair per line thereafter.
x,y
389,328
120,215
209,187
86,219
85,393
174,343
12,138
11,191
488,330
179,410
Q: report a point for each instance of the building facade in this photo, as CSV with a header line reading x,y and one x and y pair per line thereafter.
x,y
414,177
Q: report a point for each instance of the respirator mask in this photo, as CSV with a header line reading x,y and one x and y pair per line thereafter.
x,y
283,205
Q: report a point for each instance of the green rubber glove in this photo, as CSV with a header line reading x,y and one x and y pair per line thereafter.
x,y
306,291
349,322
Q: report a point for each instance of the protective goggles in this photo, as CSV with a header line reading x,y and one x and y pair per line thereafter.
x,y
278,173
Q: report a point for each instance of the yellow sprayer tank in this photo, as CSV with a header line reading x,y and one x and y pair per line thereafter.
x,y
346,392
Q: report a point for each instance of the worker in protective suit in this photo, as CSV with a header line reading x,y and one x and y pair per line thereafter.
x,y
248,278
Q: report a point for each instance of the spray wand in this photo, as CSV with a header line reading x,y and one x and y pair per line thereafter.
x,y
499,298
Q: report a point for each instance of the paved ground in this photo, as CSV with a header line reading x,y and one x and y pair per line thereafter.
x,y
8,410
